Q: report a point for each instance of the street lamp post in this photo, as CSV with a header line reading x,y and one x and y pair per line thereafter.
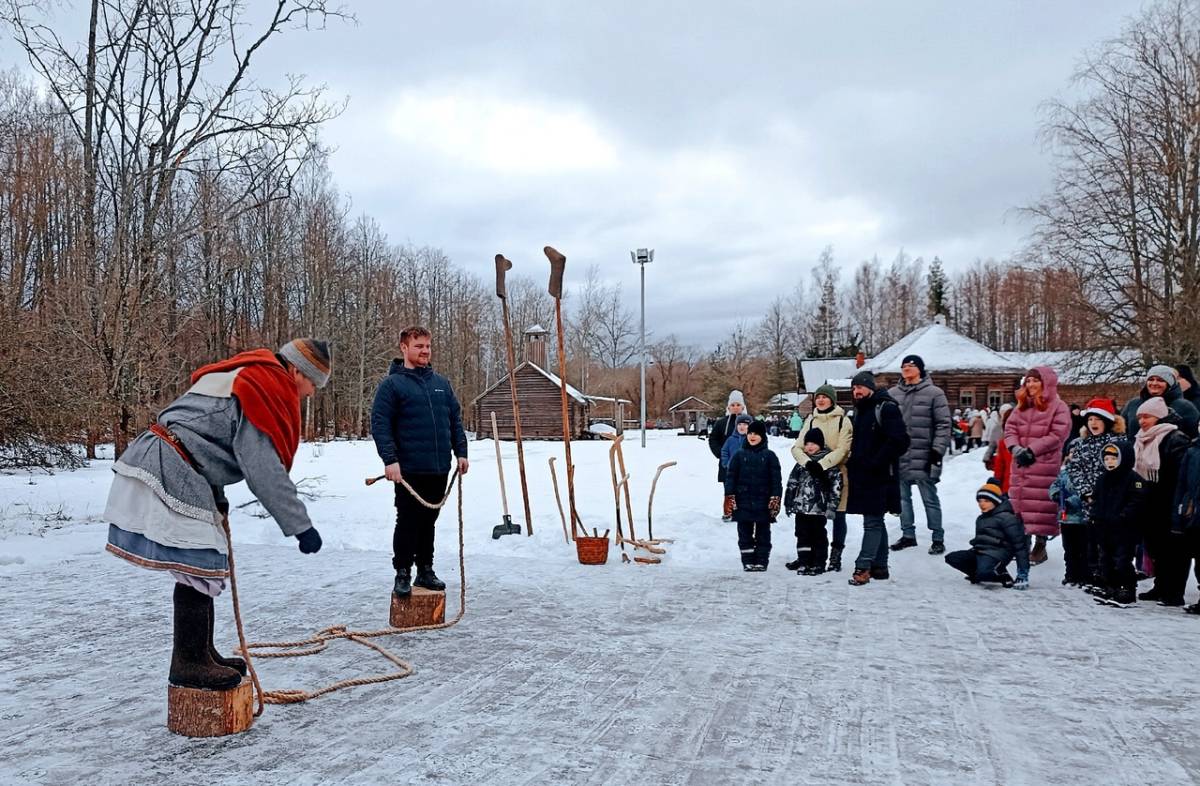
x,y
642,257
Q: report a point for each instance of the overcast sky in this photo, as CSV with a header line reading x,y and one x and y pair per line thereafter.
x,y
737,139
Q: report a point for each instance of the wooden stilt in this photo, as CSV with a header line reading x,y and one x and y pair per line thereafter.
x,y
502,267
558,264
195,712
422,607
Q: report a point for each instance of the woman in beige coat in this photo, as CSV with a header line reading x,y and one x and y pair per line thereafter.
x,y
831,420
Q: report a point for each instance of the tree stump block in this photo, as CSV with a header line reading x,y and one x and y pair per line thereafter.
x,y
422,607
195,712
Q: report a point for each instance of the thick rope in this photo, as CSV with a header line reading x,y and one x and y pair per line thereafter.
x,y
320,641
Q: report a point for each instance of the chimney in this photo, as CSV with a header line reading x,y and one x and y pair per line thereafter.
x,y
860,360
535,346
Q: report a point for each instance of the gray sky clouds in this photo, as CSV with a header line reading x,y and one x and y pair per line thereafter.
x,y
738,139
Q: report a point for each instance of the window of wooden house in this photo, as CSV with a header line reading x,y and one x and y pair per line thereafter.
x,y
995,398
966,398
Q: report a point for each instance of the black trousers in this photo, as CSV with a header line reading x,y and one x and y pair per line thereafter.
x,y
754,541
1169,555
812,541
977,567
1118,549
1075,553
1093,551
412,540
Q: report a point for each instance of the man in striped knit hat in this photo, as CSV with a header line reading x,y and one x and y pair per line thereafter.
x,y
240,420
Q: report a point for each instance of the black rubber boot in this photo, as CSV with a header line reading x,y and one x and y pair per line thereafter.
x,y
403,587
191,664
428,579
235,663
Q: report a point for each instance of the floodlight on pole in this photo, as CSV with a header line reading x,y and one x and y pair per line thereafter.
x,y
641,258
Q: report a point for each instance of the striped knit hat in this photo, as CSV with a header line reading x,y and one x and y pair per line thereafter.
x,y
311,358
991,491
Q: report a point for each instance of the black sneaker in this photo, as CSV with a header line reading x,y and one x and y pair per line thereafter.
x,y
905,542
403,586
428,579
937,548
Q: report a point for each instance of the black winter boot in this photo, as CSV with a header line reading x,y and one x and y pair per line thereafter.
x,y
403,586
428,579
835,559
235,663
795,564
191,664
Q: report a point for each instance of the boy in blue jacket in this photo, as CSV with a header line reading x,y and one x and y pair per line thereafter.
x,y
753,488
733,443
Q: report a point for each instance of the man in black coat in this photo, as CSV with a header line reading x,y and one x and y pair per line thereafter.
x,y
416,422
880,439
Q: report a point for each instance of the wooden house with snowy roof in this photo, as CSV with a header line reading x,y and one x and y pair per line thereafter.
x,y
539,393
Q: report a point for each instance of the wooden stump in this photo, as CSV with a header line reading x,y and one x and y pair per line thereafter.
x,y
195,712
422,607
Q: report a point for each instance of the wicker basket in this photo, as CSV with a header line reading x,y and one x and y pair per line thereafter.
x,y
591,551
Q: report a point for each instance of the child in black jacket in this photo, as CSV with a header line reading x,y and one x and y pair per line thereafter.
x,y
753,487
999,537
813,495
1117,506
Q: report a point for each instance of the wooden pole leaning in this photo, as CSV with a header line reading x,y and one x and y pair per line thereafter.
x,y
558,265
558,499
502,267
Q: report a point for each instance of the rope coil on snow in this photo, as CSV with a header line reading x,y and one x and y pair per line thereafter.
x,y
320,641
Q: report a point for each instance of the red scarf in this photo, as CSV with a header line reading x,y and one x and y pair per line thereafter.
x,y
267,395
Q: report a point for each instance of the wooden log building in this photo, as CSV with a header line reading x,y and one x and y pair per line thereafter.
x,y
539,394
972,375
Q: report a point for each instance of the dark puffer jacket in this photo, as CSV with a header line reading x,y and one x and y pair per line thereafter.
x,y
1120,497
753,477
999,534
416,421
927,418
1186,413
1186,516
880,439
1160,490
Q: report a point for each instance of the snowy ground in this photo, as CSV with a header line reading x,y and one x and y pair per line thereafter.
x,y
690,672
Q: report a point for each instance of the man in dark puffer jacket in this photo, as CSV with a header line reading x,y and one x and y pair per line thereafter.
x,y
999,537
417,422
753,491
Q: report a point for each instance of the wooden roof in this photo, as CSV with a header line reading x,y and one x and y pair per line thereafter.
x,y
704,405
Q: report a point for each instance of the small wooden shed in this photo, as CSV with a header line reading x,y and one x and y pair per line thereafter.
x,y
686,414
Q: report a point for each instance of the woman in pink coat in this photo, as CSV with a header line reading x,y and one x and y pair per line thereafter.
x,y
1035,434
